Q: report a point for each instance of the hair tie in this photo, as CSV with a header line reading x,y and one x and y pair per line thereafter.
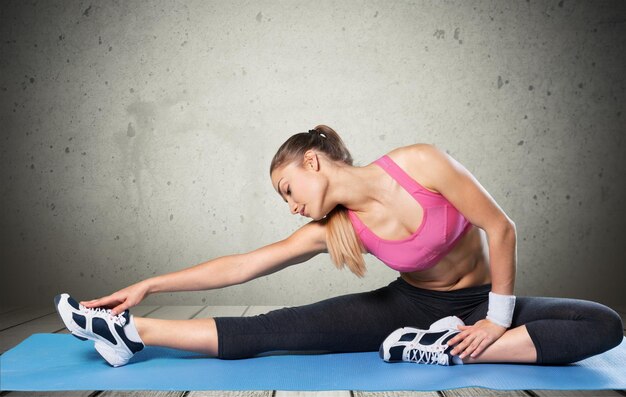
x,y
317,132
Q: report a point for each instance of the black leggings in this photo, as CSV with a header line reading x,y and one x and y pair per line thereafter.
x,y
562,330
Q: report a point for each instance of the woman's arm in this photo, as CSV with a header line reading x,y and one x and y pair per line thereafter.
x,y
221,272
302,245
447,176
442,173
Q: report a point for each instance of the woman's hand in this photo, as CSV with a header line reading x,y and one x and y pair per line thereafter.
x,y
474,339
122,299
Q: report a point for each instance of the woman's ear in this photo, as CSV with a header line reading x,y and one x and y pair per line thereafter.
x,y
311,160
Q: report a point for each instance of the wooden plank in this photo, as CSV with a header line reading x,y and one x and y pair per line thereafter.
x,y
20,316
14,335
79,393
218,393
142,393
336,393
176,312
396,394
480,392
225,311
143,311
9,308
221,311
575,393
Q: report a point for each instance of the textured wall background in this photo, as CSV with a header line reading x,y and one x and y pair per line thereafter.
x,y
137,136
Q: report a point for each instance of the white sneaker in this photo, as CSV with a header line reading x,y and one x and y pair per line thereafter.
x,y
422,346
108,331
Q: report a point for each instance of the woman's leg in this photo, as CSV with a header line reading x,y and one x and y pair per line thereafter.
x,y
554,331
198,335
354,322
348,323
544,330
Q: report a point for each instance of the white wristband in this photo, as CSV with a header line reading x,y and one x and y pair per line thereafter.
x,y
501,309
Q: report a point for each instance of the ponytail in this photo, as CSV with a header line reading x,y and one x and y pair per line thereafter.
x,y
344,246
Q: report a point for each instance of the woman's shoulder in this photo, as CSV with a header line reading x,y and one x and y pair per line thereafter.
x,y
411,154
413,159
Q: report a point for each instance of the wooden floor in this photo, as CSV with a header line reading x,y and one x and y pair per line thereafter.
x,y
17,323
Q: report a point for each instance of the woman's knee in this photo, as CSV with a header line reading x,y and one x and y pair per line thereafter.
x,y
609,327
614,327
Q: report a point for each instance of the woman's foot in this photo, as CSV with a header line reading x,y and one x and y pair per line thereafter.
x,y
115,337
422,346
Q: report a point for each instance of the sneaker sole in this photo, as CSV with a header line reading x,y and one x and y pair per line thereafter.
x,y
110,355
69,323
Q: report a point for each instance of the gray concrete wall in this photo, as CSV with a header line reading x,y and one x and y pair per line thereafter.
x,y
137,136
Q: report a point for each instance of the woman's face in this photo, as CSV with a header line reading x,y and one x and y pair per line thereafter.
x,y
303,187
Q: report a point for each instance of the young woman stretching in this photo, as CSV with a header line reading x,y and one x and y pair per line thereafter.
x,y
417,210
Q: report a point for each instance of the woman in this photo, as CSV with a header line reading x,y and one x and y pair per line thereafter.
x,y
417,210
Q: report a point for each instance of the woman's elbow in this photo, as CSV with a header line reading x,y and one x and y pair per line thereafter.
x,y
502,230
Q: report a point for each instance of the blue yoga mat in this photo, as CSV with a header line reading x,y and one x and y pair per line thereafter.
x,y
61,362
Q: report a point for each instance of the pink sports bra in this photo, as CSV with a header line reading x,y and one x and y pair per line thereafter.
x,y
442,226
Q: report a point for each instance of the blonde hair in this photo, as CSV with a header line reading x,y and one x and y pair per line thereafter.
x,y
344,246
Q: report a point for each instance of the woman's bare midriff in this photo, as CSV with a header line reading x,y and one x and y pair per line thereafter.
x,y
467,265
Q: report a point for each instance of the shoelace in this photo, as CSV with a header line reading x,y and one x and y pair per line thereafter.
x,y
117,319
427,355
